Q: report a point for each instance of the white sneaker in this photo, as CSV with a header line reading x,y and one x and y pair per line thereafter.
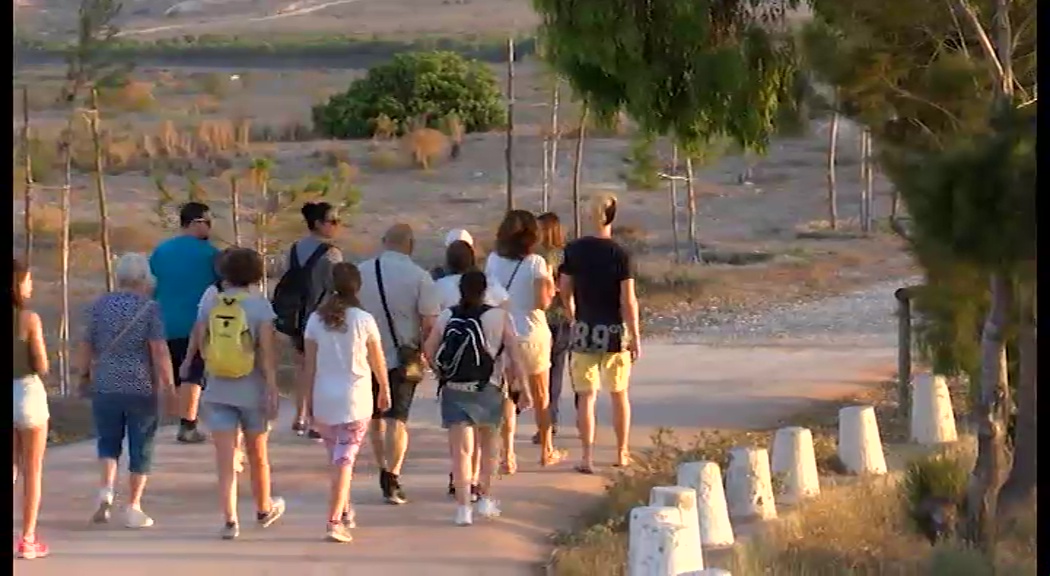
x,y
105,504
136,518
464,516
488,508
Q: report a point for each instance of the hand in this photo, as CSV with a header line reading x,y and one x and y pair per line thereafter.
x,y
169,401
635,348
272,403
524,400
184,369
383,402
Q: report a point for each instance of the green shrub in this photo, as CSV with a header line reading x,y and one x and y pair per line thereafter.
x,y
432,85
644,167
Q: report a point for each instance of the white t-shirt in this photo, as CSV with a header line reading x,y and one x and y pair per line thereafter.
x,y
492,325
522,289
211,292
343,380
449,295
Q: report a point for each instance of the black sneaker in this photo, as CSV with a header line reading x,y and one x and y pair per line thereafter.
x,y
187,436
451,487
313,434
395,494
384,483
475,493
299,428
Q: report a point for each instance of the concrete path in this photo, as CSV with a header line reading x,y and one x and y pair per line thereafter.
x,y
686,386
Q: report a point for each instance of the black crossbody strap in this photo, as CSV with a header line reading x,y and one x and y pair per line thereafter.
x,y
386,309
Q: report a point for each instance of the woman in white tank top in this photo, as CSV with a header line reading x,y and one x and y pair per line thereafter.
x,y
527,279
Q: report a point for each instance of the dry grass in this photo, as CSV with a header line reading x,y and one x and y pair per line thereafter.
x,y
134,96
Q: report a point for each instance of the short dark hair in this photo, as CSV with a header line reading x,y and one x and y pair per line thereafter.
x,y
517,235
459,257
242,267
315,213
191,212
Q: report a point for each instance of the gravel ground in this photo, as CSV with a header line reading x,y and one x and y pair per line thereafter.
x,y
863,318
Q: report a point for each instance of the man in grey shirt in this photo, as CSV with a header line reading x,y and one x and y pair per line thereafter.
x,y
322,221
413,305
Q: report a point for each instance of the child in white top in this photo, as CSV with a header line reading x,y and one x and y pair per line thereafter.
x,y
342,354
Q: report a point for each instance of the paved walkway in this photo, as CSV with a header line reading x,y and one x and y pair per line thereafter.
x,y
684,386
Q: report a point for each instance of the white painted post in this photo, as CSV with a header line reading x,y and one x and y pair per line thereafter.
x,y
711,508
860,447
796,464
655,542
684,499
932,417
749,486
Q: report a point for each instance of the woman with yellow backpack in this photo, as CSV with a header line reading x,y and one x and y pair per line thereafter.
x,y
238,345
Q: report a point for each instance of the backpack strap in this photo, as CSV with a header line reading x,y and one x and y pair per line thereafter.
x,y
386,308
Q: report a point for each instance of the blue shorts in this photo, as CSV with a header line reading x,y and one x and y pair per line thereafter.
x,y
120,415
473,408
227,418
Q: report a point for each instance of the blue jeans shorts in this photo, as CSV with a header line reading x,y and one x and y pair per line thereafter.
x,y
229,418
137,418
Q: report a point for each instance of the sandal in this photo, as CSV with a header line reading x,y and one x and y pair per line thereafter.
x,y
584,469
556,456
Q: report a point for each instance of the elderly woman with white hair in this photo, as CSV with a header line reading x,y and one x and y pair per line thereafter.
x,y
126,369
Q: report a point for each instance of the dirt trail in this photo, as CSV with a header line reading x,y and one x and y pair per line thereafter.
x,y
288,11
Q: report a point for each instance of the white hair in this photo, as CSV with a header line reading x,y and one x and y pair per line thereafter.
x,y
133,269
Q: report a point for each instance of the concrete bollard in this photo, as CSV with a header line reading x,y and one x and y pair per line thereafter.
x,y
656,544
706,479
860,447
684,499
796,463
932,417
749,488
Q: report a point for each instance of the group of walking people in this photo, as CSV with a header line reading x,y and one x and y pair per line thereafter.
x,y
188,331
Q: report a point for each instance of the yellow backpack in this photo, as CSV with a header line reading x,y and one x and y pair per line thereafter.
x,y
230,349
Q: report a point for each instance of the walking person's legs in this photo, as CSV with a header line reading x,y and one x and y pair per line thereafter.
x,y
536,358
268,508
110,425
31,443
461,445
141,421
616,371
585,371
507,431
559,356
343,442
488,446
189,391
390,438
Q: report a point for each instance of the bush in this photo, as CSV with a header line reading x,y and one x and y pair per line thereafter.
x,y
432,85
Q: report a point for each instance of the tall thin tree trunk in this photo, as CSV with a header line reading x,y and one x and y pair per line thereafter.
x,y
27,194
690,187
260,231
833,141
863,214
895,206
100,189
577,171
545,190
509,149
555,133
63,326
869,181
1019,491
235,208
989,418
991,412
674,203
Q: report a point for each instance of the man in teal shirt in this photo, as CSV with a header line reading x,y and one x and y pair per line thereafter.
x,y
184,267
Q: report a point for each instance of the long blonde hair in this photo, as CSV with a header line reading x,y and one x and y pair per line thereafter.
x,y
346,282
552,236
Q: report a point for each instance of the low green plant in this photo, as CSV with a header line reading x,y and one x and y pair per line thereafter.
x,y
942,475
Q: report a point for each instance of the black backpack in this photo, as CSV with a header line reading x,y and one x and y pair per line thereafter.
x,y
292,291
463,355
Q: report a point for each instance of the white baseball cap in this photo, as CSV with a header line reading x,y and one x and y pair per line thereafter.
x,y
458,234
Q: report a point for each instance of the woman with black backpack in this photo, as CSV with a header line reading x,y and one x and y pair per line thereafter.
x,y
468,348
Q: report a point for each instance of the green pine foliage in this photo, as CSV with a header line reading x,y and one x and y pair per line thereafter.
x,y
694,69
431,85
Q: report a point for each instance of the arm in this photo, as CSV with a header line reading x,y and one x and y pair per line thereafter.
x,y
429,306
377,362
430,345
629,305
37,349
268,353
543,283
85,348
565,291
197,335
160,357
510,348
309,373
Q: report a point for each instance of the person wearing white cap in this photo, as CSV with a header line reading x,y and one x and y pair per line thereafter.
x,y
454,235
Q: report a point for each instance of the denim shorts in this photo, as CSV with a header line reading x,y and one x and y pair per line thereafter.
x,y
473,408
229,418
124,415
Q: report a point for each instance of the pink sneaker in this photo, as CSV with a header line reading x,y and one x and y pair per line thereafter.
x,y
32,550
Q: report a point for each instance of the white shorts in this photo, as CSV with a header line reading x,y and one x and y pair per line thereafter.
x,y
30,402
535,351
